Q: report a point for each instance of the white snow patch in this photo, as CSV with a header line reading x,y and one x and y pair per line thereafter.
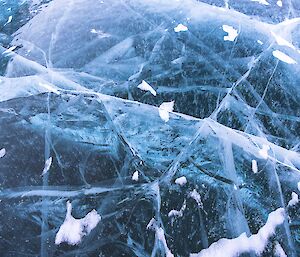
x,y
164,110
146,87
135,176
278,251
47,166
180,27
260,42
2,152
283,57
264,151
298,185
294,200
181,181
243,244
279,3
232,33
254,166
264,2
72,230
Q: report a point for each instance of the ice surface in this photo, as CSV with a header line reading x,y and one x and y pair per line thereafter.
x,y
182,113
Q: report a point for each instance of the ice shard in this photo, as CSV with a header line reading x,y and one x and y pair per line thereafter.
x,y
167,128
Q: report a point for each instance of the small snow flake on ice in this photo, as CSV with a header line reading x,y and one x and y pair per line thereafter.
x,y
146,87
9,20
164,110
2,152
135,176
283,57
181,181
294,200
232,33
72,230
260,42
196,196
47,166
100,33
254,166
180,27
279,3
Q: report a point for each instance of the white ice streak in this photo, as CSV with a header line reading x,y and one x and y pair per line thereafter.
x,y
281,41
264,2
49,88
181,181
146,87
283,57
164,110
160,235
180,27
254,166
47,166
135,176
294,200
232,33
298,185
260,42
2,152
278,251
264,151
72,230
242,244
9,50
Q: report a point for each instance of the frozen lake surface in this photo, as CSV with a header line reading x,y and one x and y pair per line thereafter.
x,y
149,128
